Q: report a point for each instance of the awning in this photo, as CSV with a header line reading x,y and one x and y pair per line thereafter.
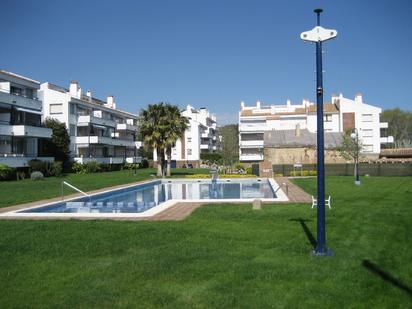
x,y
21,109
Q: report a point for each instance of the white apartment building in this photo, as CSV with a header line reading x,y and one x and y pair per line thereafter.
x,y
340,115
200,137
98,130
20,120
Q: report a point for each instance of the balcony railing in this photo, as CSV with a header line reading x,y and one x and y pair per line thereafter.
x,y
104,141
87,119
24,130
21,101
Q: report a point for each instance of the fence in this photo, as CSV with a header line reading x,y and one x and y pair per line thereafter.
x,y
372,169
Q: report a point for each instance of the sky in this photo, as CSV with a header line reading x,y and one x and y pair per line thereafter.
x,y
211,54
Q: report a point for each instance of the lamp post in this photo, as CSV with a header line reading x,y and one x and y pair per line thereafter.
x,y
355,136
318,35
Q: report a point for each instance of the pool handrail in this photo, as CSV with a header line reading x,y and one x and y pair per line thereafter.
x,y
74,188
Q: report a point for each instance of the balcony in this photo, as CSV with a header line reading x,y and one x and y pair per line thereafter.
x,y
23,130
21,101
251,157
15,160
206,135
126,127
254,143
385,140
102,140
383,125
204,146
253,128
85,120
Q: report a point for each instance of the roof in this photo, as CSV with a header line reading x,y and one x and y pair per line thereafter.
x,y
288,139
20,77
327,108
85,99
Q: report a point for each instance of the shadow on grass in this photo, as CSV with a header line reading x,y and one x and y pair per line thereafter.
x,y
386,276
306,230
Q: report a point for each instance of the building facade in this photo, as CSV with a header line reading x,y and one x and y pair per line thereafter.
x,y
98,130
21,132
340,115
202,136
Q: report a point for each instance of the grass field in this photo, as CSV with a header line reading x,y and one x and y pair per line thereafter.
x,y
24,191
221,256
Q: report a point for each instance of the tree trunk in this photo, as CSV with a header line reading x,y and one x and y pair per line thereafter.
x,y
159,162
169,160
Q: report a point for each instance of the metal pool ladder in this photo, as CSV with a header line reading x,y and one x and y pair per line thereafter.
x,y
74,188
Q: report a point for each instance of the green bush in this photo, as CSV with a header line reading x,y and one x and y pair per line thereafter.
x,y
128,166
249,171
56,168
303,173
91,167
36,176
6,172
78,168
105,167
39,166
144,164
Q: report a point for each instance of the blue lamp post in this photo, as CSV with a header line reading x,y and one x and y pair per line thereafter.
x,y
319,35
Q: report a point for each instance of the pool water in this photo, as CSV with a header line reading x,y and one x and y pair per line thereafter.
x,y
140,198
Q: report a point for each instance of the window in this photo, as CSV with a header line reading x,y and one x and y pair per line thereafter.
x,y
367,118
327,118
367,133
189,139
72,109
56,109
367,148
72,130
189,152
15,90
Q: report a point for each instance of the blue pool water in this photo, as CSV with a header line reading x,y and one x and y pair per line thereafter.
x,y
140,198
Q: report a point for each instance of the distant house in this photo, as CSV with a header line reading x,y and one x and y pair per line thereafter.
x,y
340,115
201,137
299,146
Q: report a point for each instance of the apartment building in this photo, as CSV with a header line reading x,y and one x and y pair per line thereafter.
x,y
21,132
98,130
340,115
201,137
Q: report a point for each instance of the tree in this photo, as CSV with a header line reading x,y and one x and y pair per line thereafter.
x,y
230,143
399,126
350,148
153,126
177,125
59,144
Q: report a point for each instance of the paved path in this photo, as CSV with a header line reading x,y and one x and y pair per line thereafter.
x,y
177,212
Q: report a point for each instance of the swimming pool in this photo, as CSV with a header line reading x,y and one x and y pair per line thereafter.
x,y
153,197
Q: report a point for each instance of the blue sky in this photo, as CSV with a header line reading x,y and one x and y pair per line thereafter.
x,y
211,54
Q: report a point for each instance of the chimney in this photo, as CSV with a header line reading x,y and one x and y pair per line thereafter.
x,y
110,102
258,104
89,95
74,88
334,98
358,98
242,105
297,130
288,103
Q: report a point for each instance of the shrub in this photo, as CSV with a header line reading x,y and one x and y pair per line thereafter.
x,y
37,166
91,167
56,168
105,167
78,168
6,172
128,166
249,170
144,164
240,166
36,176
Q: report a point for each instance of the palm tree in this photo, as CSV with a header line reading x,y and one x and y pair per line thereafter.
x,y
153,125
177,125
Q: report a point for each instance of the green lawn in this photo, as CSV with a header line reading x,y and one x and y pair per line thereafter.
x,y
221,256
24,191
